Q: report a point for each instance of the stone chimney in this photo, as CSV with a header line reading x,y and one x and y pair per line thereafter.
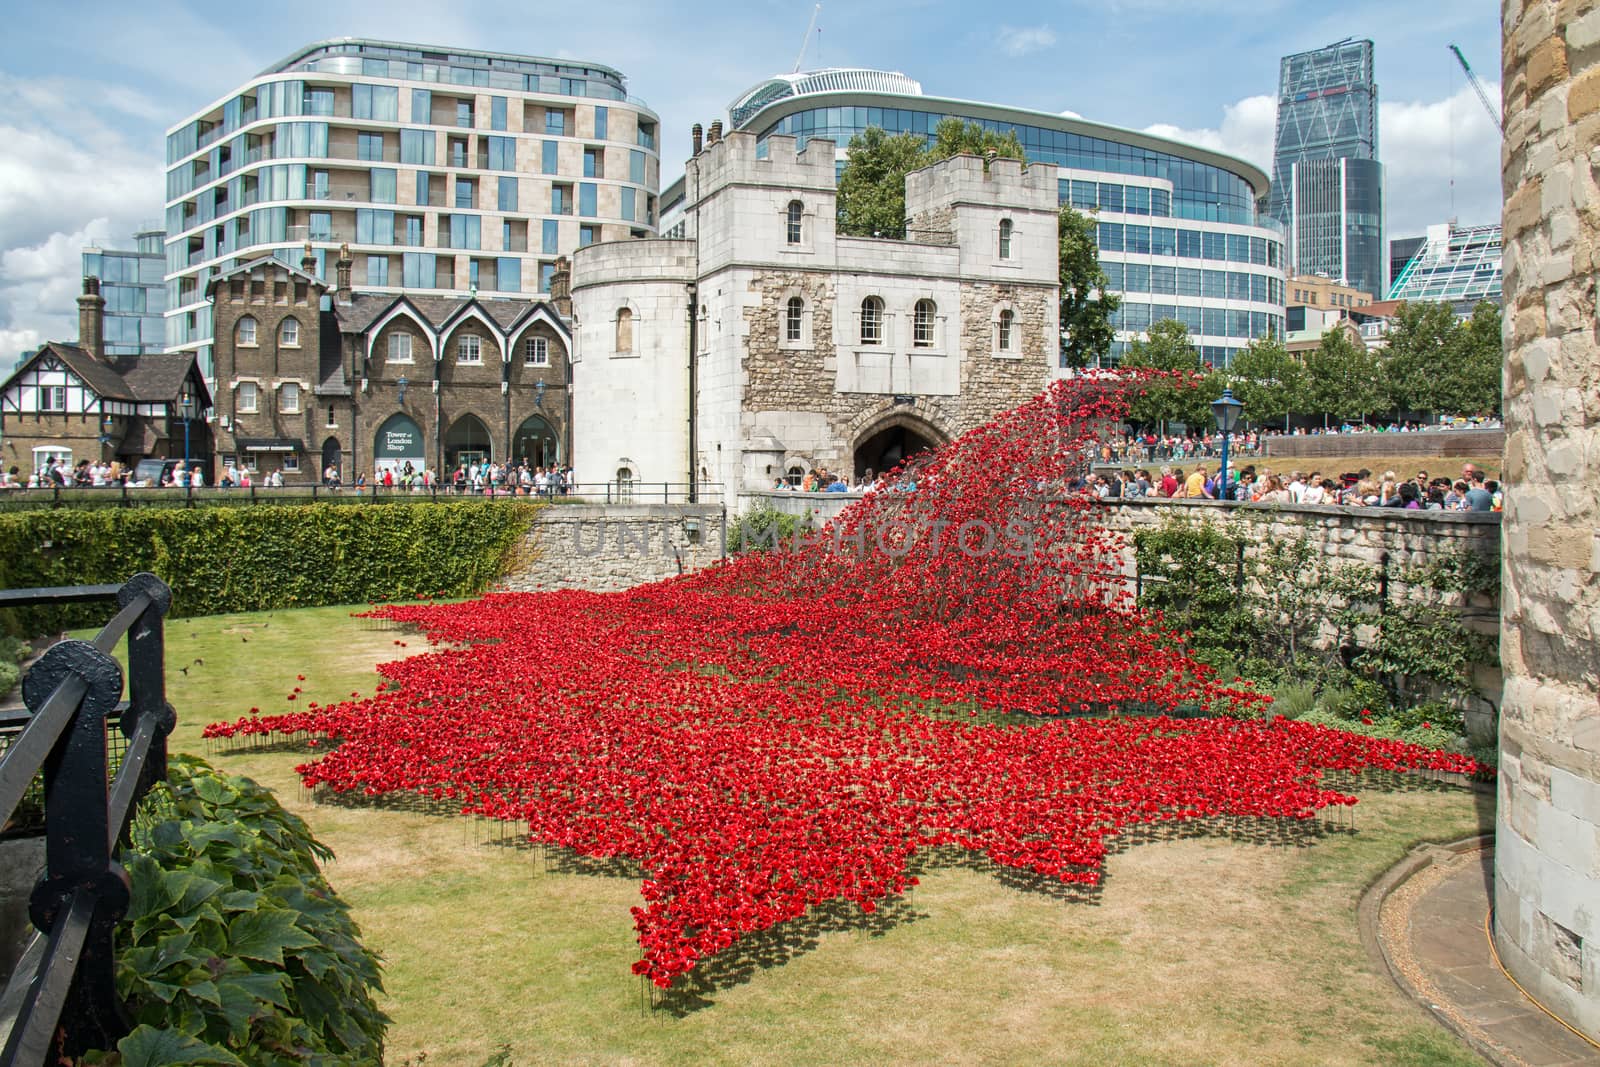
x,y
343,290
716,132
694,138
561,287
308,262
91,318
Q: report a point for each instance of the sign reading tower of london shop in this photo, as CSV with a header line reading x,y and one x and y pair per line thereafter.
x,y
399,441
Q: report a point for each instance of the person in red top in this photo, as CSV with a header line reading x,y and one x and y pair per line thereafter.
x,y
1169,482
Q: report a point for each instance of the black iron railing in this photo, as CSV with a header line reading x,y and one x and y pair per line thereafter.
x,y
63,995
121,496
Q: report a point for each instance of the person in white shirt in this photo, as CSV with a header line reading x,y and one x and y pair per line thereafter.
x,y
1296,487
197,477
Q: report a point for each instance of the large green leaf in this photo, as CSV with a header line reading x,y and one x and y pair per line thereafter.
x,y
150,1047
263,935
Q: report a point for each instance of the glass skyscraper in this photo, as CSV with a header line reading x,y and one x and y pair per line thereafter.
x,y
135,293
1327,183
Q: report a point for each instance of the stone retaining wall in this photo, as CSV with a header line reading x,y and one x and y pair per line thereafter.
x,y
606,547
1425,444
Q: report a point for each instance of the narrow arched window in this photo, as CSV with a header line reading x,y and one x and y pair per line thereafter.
x,y
1005,238
624,483
624,330
289,333
872,321
1008,330
793,313
245,331
922,319
794,215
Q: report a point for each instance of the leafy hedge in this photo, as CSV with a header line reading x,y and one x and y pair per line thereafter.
x,y
250,559
234,949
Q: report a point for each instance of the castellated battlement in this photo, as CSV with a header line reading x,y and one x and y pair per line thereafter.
x,y
965,180
732,159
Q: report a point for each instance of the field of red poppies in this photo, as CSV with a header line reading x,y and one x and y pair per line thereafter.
x,y
791,729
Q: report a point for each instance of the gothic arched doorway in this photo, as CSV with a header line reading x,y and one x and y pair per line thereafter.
x,y
535,443
466,444
332,456
397,443
889,442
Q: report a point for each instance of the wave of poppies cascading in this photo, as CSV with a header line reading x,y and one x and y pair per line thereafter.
x,y
756,736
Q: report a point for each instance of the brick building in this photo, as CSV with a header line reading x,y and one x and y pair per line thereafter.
x,y
309,378
763,344
72,402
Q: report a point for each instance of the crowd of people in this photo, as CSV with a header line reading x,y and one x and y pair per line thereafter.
x,y
1472,491
481,478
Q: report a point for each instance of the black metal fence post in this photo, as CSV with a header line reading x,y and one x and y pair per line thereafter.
x,y
147,678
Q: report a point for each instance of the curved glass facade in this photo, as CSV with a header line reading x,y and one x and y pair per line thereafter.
x,y
1199,190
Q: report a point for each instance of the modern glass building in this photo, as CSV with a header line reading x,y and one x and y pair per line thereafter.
x,y
446,171
1179,234
1327,183
1459,265
134,287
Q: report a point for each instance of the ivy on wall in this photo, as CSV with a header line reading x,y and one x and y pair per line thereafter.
x,y
252,559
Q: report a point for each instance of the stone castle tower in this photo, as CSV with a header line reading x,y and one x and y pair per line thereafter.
x,y
764,344
1547,840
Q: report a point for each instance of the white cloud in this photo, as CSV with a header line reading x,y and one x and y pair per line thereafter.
x,y
1247,131
67,180
1022,40
1421,142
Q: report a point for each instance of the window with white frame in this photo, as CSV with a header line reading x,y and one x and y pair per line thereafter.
x,y
923,317
1005,238
469,348
872,321
333,422
794,319
536,352
794,217
249,462
244,332
399,348
1006,331
289,333
52,398
249,398
289,398
291,462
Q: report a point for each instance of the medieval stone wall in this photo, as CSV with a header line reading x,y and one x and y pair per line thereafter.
x,y
606,547
1547,841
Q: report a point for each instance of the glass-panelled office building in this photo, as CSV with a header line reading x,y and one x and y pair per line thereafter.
x,y
133,283
1458,265
1178,231
1327,183
446,171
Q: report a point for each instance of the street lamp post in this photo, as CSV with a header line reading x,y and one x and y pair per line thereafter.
x,y
1226,411
186,410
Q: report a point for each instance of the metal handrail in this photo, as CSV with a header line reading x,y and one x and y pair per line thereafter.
x,y
66,997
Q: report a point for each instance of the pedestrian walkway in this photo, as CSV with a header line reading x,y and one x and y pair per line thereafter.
x,y
1432,933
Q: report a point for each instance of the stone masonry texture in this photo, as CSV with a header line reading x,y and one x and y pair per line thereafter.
x,y
1547,840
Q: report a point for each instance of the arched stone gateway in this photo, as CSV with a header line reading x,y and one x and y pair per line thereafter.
x,y
891,440
332,456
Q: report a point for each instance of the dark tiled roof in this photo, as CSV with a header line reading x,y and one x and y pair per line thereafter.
x,y
154,379
366,308
96,373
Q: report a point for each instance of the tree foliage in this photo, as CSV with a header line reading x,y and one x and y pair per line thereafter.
x,y
1086,307
872,187
1343,378
1267,380
1176,399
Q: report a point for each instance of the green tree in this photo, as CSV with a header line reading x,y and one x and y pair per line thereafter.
x,y
1343,377
1086,307
872,187
1167,348
1422,357
1479,362
1268,381
952,137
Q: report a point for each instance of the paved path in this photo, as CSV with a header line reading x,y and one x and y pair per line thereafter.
x,y
1431,929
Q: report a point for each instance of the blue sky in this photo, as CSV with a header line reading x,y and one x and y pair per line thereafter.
x,y
87,90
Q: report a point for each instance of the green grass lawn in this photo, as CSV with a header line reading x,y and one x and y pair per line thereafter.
x,y
1201,950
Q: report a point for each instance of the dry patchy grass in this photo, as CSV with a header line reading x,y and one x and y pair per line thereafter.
x,y
1200,950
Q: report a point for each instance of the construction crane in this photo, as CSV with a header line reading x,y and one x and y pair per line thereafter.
x,y
1483,95
801,58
